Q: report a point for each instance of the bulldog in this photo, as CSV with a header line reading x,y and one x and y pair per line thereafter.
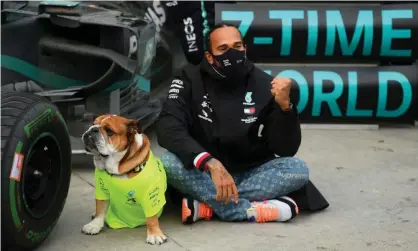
x,y
130,180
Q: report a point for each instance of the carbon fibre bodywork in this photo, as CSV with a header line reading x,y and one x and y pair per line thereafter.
x,y
89,61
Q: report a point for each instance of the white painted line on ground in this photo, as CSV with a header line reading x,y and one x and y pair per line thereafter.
x,y
80,152
340,127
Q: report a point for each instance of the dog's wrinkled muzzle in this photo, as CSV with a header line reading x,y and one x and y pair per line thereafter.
x,y
89,144
89,140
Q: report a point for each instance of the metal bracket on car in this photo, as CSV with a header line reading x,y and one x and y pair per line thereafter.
x,y
70,46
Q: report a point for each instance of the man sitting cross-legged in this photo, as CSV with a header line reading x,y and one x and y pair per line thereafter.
x,y
231,133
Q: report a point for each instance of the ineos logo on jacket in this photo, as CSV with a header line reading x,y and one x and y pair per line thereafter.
x,y
190,34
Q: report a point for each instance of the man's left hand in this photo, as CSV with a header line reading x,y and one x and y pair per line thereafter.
x,y
280,89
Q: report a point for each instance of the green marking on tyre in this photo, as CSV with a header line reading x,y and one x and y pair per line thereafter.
x,y
37,236
46,117
19,146
12,194
60,117
42,119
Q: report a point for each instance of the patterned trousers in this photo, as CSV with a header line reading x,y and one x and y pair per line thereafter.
x,y
273,179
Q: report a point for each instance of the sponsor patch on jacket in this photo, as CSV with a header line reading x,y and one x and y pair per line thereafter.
x,y
206,109
175,87
249,120
248,99
250,110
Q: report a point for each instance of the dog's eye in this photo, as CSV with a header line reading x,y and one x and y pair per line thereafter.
x,y
109,132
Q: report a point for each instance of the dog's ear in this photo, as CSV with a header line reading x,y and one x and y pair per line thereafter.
x,y
138,126
134,126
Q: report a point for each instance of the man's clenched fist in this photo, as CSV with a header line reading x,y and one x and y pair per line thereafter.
x,y
280,89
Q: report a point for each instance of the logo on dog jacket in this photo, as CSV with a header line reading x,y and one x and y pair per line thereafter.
x,y
131,198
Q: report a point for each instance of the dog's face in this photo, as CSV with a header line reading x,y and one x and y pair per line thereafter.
x,y
110,134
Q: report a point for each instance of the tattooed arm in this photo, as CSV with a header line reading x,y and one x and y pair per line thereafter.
x,y
225,184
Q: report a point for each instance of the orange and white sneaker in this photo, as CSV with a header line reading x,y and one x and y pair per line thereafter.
x,y
282,209
193,210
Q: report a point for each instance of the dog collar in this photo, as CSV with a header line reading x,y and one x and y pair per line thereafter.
x,y
138,168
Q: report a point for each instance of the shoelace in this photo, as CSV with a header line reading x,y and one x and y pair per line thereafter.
x,y
266,213
205,211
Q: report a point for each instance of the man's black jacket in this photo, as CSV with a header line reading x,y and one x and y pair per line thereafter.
x,y
240,125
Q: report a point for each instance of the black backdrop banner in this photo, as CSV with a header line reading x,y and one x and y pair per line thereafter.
x,y
294,32
342,94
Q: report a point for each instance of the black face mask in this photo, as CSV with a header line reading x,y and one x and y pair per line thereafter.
x,y
231,64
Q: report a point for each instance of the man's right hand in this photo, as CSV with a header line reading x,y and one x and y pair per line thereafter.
x,y
225,184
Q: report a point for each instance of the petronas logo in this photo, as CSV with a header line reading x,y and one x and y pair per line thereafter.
x,y
248,98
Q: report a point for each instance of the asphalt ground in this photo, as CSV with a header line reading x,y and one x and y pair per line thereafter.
x,y
369,177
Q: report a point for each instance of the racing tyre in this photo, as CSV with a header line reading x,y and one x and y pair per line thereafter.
x,y
36,169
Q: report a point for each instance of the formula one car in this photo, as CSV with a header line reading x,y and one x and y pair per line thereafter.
x,y
62,64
